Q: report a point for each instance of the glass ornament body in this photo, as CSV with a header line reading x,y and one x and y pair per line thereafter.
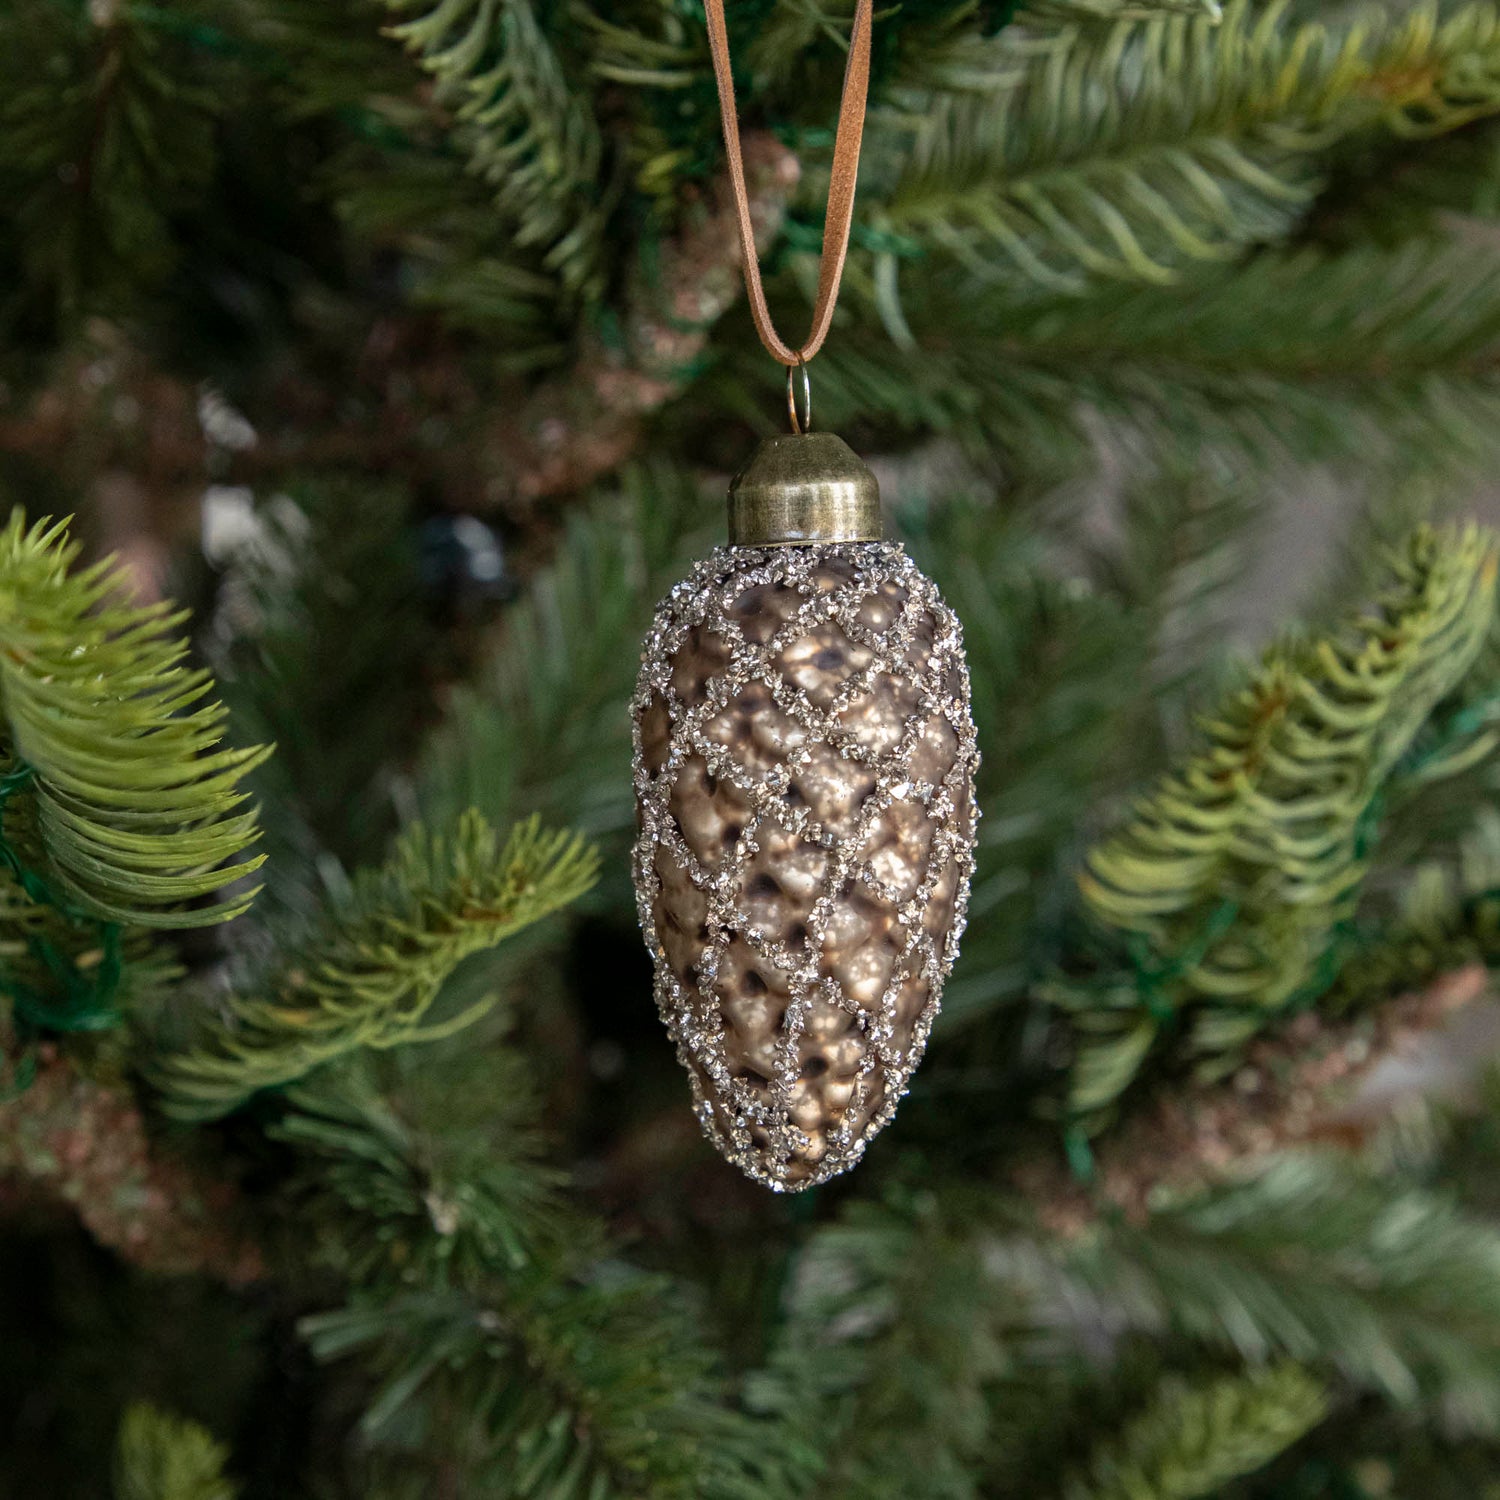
x,y
804,771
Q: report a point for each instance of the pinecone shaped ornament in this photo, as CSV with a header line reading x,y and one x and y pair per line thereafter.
x,y
804,769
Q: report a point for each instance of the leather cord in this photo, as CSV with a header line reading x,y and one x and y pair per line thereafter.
x,y
840,215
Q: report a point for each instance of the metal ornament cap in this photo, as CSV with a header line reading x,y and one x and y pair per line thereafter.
x,y
803,488
804,776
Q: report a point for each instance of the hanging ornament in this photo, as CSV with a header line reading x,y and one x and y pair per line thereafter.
x,y
804,769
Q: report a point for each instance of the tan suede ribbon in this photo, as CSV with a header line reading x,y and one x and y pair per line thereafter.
x,y
840,193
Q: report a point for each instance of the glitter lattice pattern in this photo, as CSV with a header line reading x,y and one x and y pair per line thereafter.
x,y
804,768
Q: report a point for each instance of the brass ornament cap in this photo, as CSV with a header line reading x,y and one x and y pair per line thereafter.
x,y
804,487
804,771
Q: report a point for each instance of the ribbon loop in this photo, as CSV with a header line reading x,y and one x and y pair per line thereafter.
x,y
840,216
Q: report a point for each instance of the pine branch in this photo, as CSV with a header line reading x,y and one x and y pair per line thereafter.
x,y
542,729
1055,667
86,1143
895,1331
523,125
1231,880
1368,355
1426,308
1314,1262
451,1156
61,972
1078,12
369,974
586,422
651,46
559,434
137,810
102,138
543,1390
1192,1439
159,1456
1432,906
1296,1087
321,640
1445,914
400,179
1130,151
510,1351
1310,1261
1079,672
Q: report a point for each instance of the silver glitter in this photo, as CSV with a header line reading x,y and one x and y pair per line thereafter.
x,y
804,771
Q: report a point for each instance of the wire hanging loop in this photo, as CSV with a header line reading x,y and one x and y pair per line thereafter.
x,y
801,424
845,170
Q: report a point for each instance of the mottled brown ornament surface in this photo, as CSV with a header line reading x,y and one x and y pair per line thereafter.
x,y
804,768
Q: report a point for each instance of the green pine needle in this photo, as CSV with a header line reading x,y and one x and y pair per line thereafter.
x,y
1191,1439
1228,884
370,975
524,128
159,1456
542,728
137,807
1121,10
1446,916
1316,1261
1131,150
107,135
1368,354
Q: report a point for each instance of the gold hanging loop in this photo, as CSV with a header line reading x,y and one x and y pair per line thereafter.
x,y
801,425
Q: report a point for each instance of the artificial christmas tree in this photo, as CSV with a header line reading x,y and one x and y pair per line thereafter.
x,y
1170,331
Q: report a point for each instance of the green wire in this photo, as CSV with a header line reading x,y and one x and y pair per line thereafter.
x,y
80,999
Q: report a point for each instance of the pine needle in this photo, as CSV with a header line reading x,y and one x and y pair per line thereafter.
x,y
1230,881
1190,1440
370,975
159,1456
138,807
